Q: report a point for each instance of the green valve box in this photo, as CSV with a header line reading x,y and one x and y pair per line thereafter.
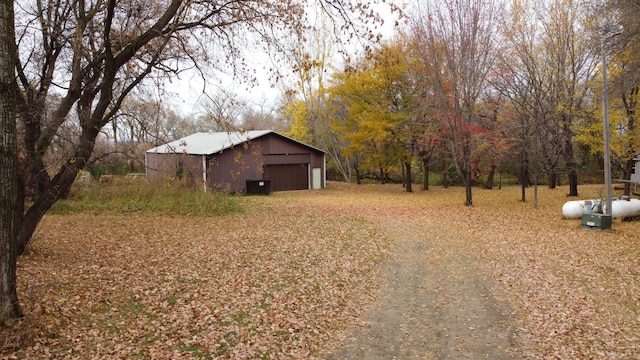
x,y
596,221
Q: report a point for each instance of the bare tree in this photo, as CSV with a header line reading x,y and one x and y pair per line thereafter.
x,y
221,111
138,125
570,62
262,117
306,105
459,40
524,79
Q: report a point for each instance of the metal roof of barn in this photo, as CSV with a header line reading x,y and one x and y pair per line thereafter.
x,y
206,143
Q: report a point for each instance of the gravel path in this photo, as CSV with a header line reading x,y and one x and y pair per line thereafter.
x,y
437,304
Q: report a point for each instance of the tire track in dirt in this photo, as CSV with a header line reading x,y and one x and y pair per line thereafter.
x,y
436,304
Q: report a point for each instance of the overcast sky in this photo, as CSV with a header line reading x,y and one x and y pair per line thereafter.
x,y
187,99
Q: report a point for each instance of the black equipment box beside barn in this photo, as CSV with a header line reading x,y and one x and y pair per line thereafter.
x,y
258,187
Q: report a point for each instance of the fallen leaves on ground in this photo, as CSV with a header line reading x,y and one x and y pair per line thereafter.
x,y
575,292
271,283
282,279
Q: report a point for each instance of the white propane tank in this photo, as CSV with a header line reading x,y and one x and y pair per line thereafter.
x,y
625,208
574,209
619,208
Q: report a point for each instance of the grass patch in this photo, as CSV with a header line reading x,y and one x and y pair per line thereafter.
x,y
130,197
172,300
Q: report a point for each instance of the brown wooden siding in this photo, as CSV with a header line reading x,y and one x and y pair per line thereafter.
x,y
281,159
230,169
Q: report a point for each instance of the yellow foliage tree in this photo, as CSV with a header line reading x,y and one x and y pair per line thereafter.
x,y
623,69
377,102
623,108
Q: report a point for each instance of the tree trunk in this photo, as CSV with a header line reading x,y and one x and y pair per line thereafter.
x,y
536,177
467,177
630,102
573,182
552,178
9,306
445,177
492,173
468,193
468,182
425,165
408,179
628,170
570,160
524,178
58,186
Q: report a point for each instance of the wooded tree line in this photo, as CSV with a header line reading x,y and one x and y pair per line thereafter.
x,y
479,84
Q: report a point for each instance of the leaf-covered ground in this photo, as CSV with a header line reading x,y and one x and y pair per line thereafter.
x,y
298,270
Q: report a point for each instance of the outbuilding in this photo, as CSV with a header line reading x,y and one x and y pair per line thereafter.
x,y
231,161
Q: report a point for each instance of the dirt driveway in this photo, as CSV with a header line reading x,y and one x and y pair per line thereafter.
x,y
436,304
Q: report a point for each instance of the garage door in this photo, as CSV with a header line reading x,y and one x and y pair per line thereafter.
x,y
287,177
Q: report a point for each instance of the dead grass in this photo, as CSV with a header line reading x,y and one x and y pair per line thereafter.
x,y
281,279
